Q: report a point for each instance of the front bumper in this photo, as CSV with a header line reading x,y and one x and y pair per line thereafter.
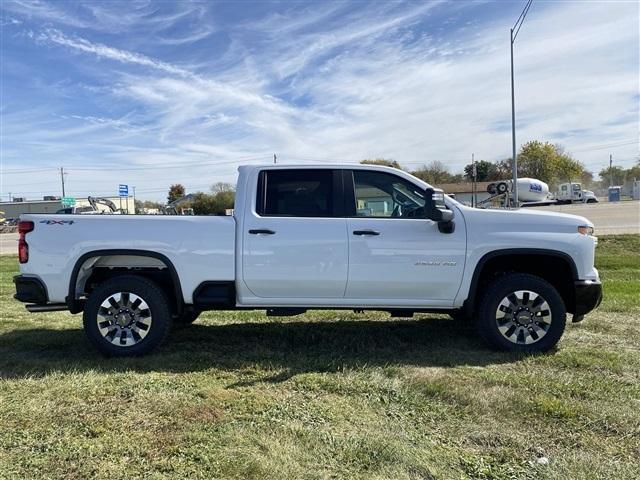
x,y
588,295
30,290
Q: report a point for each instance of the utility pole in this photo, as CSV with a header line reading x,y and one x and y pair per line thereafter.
x,y
514,187
514,34
275,159
62,179
474,174
134,199
610,170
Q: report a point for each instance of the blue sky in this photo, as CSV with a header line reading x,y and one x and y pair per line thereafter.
x,y
152,93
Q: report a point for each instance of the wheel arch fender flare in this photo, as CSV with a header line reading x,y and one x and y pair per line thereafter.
x,y
471,302
75,305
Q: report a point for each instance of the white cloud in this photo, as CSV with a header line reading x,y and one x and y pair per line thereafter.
x,y
100,50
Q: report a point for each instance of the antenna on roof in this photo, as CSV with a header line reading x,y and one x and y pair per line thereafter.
x,y
275,158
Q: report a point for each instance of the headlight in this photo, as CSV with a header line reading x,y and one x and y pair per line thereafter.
x,y
585,230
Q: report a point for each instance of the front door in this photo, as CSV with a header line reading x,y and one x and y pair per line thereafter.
x,y
396,257
295,244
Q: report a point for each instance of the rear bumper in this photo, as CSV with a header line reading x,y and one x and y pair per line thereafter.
x,y
588,295
30,290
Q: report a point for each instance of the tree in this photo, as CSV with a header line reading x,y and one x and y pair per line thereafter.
x,y
212,204
225,201
203,204
504,169
485,171
150,204
382,161
176,191
633,173
612,175
220,187
547,162
586,179
435,173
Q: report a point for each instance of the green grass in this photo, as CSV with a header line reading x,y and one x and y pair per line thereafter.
x,y
325,395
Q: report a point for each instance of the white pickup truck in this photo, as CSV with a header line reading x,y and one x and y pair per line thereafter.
x,y
358,237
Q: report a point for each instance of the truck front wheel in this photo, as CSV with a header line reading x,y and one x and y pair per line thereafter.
x,y
521,312
127,316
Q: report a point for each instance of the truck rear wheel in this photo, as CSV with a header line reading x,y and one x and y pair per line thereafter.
x,y
127,316
522,313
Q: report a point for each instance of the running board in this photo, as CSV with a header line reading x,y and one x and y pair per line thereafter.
x,y
47,307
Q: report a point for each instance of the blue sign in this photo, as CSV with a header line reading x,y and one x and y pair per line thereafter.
x,y
123,190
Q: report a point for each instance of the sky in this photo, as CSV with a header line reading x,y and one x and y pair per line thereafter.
x,y
152,93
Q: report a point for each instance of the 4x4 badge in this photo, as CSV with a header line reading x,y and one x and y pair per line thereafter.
x,y
57,222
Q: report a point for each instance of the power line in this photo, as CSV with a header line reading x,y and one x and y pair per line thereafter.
x,y
27,170
520,20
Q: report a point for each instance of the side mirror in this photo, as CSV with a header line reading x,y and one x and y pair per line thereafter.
x,y
436,210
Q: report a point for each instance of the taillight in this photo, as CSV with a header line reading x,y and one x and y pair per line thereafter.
x,y
24,227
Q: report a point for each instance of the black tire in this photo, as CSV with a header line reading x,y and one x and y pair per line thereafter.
x,y
542,325
186,318
117,294
502,187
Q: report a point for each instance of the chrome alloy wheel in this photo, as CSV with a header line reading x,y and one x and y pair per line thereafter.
x,y
523,317
124,319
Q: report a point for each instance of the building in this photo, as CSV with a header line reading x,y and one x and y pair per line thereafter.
x,y
464,191
47,205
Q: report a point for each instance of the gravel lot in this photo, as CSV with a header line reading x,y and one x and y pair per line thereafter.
x,y
608,218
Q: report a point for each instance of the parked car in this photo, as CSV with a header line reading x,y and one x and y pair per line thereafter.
x,y
359,237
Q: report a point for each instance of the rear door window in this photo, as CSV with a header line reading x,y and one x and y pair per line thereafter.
x,y
296,193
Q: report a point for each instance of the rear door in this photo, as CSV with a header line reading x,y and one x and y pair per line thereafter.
x,y
295,239
397,257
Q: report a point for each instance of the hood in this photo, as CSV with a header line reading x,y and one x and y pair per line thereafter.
x,y
527,219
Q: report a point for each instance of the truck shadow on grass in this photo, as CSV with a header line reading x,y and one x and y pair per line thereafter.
x,y
292,346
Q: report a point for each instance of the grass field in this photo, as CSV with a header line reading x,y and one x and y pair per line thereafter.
x,y
326,395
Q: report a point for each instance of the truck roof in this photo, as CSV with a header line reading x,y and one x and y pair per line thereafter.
x,y
350,166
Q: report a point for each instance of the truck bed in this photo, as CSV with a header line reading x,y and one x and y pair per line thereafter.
x,y
199,247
